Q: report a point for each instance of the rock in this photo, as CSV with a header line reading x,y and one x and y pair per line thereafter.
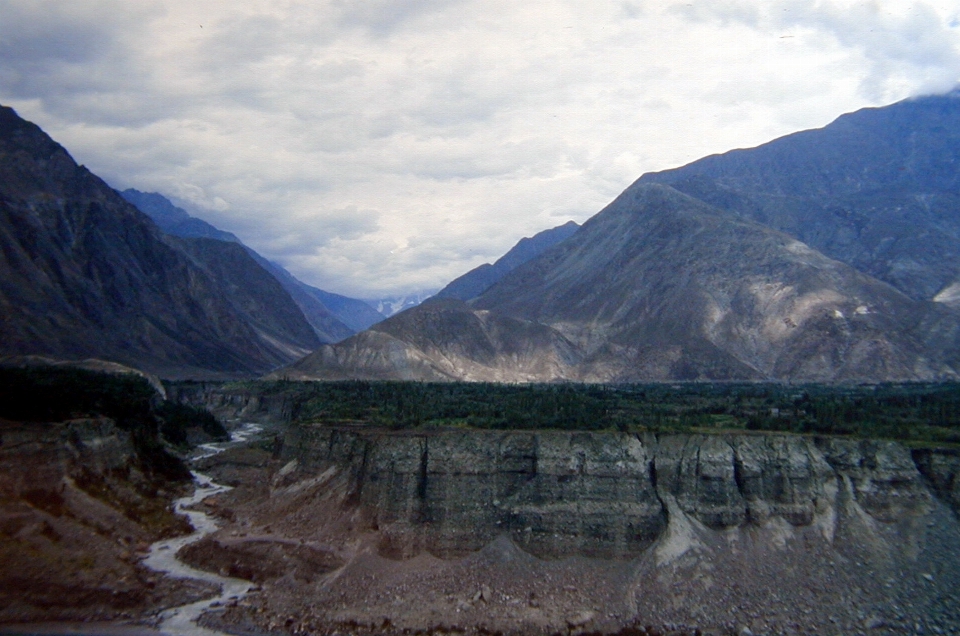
x,y
581,619
599,495
486,594
873,622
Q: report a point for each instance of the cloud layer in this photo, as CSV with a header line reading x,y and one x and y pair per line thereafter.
x,y
386,146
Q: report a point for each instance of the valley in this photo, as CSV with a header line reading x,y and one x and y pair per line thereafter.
x,y
353,513
727,403
377,530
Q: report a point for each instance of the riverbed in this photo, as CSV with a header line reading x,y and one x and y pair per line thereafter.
x,y
181,621
175,621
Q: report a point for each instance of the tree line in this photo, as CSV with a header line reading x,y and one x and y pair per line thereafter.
x,y
923,412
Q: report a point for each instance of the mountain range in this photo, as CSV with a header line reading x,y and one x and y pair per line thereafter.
x,y
85,274
332,316
479,279
828,255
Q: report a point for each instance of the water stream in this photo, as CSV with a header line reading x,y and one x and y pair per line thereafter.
x,y
181,621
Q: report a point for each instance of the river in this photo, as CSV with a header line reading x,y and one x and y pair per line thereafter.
x,y
181,621
176,621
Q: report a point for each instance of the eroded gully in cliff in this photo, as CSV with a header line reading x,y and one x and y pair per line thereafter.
x,y
182,620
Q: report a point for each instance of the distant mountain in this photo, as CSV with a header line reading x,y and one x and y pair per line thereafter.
x,y
812,258
174,220
333,317
479,279
393,305
333,322
356,314
84,274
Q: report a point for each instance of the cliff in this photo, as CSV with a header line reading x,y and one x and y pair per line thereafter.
x,y
611,495
547,532
77,508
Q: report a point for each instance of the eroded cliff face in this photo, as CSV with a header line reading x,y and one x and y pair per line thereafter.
x,y
520,532
610,495
76,509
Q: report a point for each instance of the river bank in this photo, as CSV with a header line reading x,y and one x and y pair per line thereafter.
x,y
182,620
171,619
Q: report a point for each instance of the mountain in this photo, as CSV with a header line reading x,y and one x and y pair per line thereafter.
x,y
174,220
84,274
479,279
333,317
816,257
441,340
878,189
665,286
253,292
393,305
356,314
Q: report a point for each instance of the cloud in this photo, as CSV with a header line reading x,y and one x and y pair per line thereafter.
x,y
385,17
76,59
905,46
386,146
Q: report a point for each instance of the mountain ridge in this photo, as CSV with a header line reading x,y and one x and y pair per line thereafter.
x,y
333,317
797,260
877,189
756,304
85,274
479,279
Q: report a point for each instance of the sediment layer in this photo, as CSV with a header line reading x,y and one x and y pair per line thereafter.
x,y
610,495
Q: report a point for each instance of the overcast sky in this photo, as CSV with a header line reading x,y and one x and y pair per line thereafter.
x,y
383,146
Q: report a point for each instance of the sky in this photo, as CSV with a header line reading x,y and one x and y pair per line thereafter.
x,y
381,147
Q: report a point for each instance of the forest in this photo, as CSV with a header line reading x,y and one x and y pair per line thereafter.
x,y
910,412
921,413
50,394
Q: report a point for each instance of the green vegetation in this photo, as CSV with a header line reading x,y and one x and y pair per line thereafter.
x,y
176,419
920,412
50,394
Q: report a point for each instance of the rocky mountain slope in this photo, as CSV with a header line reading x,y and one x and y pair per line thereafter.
x,y
86,274
85,487
332,316
877,189
715,279
479,279
443,340
375,531
174,220
256,295
660,286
